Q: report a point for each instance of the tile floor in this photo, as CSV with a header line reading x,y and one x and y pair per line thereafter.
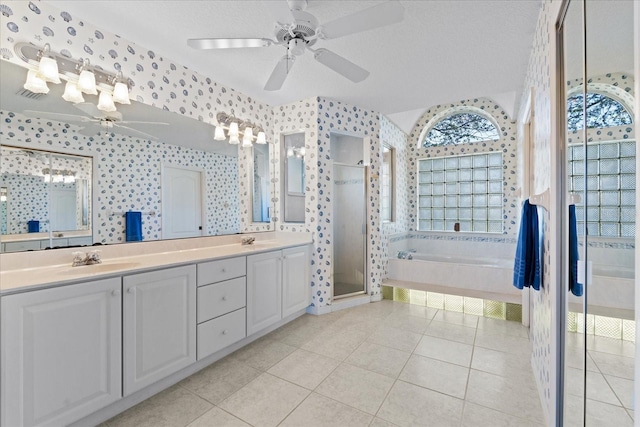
x,y
381,364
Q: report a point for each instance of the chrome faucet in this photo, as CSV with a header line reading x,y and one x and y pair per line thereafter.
x,y
248,240
88,258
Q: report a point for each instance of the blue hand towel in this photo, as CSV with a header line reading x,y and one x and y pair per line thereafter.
x,y
574,286
526,269
33,226
133,224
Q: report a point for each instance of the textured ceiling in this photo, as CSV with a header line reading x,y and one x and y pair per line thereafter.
x,y
443,51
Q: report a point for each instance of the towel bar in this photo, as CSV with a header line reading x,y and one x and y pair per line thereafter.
x,y
114,213
541,199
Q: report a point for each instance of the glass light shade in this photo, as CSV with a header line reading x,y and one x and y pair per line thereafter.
x,y
234,139
69,179
47,178
35,84
233,130
302,151
262,139
58,178
247,138
48,70
290,152
72,93
219,134
105,102
121,93
87,82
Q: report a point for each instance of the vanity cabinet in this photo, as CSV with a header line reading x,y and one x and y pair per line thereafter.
x,y
277,286
61,353
159,334
222,296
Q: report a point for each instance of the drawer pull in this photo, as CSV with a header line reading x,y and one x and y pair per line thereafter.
x,y
224,332
131,290
114,293
224,270
224,298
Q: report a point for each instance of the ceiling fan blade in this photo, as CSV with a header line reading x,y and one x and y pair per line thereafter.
x,y
93,111
279,10
387,13
219,43
341,65
136,122
89,130
57,116
133,132
280,73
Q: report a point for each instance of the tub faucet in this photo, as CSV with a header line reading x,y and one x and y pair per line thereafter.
x,y
88,258
248,240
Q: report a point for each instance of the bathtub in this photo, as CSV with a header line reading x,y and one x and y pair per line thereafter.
x,y
488,278
611,293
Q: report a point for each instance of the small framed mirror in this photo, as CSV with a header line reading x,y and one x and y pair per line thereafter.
x,y
260,184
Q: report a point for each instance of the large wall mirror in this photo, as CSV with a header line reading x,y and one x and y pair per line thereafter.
x,y
599,134
128,148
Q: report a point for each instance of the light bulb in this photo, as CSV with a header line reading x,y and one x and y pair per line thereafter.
x,y
233,130
262,139
35,83
72,93
121,93
247,138
87,82
219,134
105,102
48,70
234,139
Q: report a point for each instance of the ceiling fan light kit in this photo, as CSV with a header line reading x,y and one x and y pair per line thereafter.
x,y
44,66
298,31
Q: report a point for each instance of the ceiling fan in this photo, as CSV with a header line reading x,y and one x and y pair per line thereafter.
x,y
96,120
298,31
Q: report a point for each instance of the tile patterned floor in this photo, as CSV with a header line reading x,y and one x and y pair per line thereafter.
x,y
382,364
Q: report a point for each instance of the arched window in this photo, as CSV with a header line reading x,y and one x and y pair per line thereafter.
x,y
461,128
602,112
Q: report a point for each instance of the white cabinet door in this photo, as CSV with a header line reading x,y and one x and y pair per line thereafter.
x,y
296,284
264,290
159,333
61,353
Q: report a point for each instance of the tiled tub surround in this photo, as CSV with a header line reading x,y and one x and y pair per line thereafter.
x,y
25,271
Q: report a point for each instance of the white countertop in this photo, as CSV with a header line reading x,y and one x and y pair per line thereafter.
x,y
49,271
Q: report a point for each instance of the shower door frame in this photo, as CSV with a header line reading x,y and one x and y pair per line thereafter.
x,y
365,264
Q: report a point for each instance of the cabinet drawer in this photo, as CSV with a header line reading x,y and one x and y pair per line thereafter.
x,y
221,298
221,332
225,269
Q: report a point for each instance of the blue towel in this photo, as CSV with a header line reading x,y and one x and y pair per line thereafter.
x,y
574,286
526,269
133,225
33,226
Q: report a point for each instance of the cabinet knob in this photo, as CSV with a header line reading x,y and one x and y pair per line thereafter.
x,y
115,292
224,298
131,290
224,332
224,270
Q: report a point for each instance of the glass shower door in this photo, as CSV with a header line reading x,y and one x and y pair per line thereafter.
x,y
349,230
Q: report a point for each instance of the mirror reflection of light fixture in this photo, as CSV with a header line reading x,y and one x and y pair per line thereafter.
x,y
59,175
236,127
120,90
298,152
72,93
35,83
105,102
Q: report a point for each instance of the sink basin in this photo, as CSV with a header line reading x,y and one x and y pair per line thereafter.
x,y
100,268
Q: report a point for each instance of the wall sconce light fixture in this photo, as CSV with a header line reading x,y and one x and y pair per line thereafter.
x,y
48,66
234,127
